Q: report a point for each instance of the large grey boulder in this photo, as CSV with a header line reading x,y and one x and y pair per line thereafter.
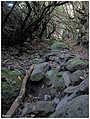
x,y
56,79
39,71
76,108
71,89
82,87
76,64
62,103
76,77
42,107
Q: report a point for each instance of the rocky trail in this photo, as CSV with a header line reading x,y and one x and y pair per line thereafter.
x,y
58,86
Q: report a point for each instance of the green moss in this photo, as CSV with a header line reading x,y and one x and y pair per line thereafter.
x,y
34,77
53,115
51,74
75,64
10,74
51,41
76,61
37,77
56,79
59,45
12,82
59,84
10,87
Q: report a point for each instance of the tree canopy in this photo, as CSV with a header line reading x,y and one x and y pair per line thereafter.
x,y
41,19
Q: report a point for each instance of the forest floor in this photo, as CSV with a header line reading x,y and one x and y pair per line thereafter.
x,y
77,49
59,79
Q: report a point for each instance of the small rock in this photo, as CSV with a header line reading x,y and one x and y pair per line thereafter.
x,y
67,78
32,115
84,85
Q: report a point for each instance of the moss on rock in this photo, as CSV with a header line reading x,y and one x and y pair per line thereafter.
x,y
76,64
58,45
56,79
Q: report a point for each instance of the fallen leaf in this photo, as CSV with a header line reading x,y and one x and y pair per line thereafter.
x,y
19,78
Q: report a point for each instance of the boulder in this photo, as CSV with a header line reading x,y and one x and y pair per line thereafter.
x,y
49,91
10,87
59,84
67,78
71,89
58,46
76,64
76,108
84,85
56,79
75,78
41,107
51,75
53,92
62,103
39,71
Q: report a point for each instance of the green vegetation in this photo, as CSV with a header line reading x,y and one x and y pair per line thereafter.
x,y
10,86
58,45
44,59
45,20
